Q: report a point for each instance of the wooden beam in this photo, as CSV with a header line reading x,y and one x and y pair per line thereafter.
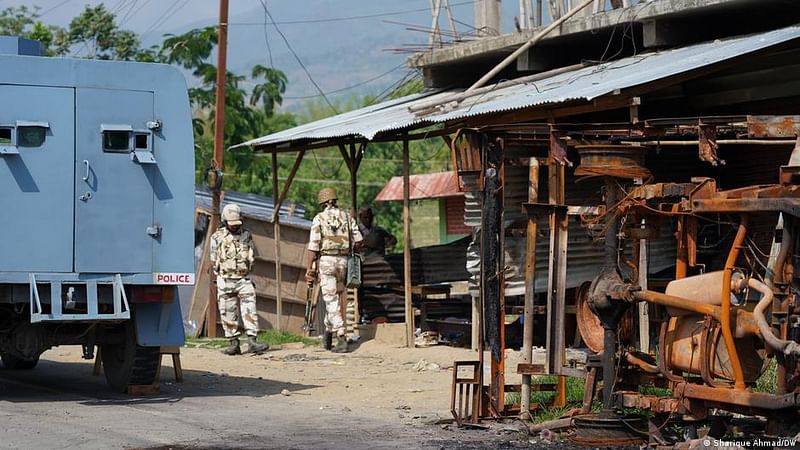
x,y
346,157
407,249
530,289
276,223
279,202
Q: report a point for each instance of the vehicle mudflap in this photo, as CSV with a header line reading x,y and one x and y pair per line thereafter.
x,y
158,324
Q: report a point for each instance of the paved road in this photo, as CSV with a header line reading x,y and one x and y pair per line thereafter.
x,y
61,405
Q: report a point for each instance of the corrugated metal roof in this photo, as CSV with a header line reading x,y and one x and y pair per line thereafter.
x,y
256,207
587,83
429,185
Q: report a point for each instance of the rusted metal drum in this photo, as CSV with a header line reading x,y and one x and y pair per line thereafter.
x,y
599,431
589,324
684,334
705,288
621,161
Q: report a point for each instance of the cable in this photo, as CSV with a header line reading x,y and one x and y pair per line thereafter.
x,y
303,97
54,7
125,17
168,16
142,6
289,46
339,19
266,36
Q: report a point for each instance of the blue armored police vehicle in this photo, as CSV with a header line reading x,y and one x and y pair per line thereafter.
x,y
97,203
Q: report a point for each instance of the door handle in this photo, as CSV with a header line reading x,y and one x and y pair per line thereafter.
x,y
86,163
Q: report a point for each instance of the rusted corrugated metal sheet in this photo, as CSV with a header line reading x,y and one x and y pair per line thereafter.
x,y
424,186
584,256
586,83
454,211
429,265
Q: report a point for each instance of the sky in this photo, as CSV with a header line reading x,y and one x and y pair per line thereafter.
x,y
343,57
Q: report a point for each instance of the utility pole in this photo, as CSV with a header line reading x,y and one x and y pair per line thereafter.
x,y
219,161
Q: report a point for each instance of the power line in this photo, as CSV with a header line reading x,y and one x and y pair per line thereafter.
x,y
142,6
347,88
339,19
168,16
289,46
54,7
128,13
266,35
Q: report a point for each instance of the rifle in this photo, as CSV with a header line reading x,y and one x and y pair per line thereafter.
x,y
312,294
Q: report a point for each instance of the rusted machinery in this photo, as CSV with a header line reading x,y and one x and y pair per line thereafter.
x,y
724,324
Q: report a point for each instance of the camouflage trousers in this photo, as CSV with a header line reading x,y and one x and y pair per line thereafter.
x,y
332,274
237,304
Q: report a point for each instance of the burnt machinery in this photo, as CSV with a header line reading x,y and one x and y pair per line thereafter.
x,y
724,317
724,323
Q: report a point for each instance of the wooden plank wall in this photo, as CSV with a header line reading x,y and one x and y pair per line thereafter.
x,y
293,287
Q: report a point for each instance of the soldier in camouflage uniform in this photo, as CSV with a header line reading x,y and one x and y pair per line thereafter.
x,y
231,260
333,231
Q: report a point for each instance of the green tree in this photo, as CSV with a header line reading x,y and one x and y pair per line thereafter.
x,y
247,114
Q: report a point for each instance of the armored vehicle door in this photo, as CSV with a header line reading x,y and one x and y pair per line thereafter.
x,y
114,173
36,152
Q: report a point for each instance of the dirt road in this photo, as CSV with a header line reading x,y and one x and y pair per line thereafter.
x,y
293,398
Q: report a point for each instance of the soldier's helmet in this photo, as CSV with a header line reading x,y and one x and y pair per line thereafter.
x,y
327,194
231,214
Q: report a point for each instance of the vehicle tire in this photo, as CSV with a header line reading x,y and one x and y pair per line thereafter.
x,y
12,362
127,363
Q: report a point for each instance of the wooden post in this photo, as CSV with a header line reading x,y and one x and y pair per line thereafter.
x,y
276,223
557,275
219,161
681,264
407,248
355,162
644,316
530,289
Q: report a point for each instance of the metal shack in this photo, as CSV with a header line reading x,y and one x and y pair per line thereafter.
x,y
96,175
257,214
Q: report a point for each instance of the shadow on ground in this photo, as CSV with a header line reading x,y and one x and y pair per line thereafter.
x,y
71,381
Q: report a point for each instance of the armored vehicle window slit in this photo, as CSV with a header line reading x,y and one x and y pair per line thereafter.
x,y
141,141
5,136
116,141
31,136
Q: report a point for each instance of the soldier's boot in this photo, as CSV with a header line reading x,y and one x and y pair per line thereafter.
x,y
341,345
233,349
327,340
255,347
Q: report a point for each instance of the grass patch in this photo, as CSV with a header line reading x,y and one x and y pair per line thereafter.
x,y
271,337
275,337
193,342
545,398
657,391
767,381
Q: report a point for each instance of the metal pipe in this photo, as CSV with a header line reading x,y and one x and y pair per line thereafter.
x,y
677,302
775,274
647,367
526,46
609,369
779,345
745,322
725,318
